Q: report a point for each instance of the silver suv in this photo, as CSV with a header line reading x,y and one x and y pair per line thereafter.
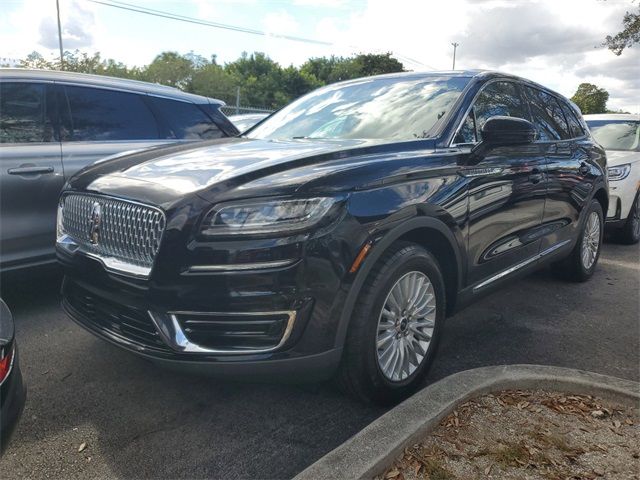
x,y
52,124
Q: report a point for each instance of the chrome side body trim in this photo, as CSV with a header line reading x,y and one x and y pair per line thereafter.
x,y
520,265
234,267
172,333
481,172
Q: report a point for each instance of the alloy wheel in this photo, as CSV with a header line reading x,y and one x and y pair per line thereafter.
x,y
591,240
405,326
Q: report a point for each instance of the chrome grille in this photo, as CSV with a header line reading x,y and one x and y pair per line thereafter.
x,y
127,232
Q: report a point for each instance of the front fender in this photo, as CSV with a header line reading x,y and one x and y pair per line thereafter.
x,y
380,244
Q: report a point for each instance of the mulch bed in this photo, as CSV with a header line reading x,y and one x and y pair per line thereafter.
x,y
528,435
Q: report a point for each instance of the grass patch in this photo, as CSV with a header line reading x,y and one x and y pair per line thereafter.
x,y
435,470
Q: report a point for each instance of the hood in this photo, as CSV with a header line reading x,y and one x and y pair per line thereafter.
x,y
164,175
620,157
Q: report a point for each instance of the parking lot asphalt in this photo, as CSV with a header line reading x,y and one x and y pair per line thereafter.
x,y
136,420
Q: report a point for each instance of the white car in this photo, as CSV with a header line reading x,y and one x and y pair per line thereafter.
x,y
619,135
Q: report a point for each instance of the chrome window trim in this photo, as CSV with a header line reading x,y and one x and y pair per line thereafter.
x,y
172,333
520,85
472,104
110,264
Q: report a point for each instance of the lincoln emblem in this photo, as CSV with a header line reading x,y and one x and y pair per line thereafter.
x,y
94,223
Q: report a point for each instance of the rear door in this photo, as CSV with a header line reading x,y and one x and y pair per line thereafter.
x,y
568,169
507,189
99,122
31,174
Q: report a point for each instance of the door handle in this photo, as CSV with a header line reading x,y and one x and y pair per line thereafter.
x,y
584,168
536,176
30,170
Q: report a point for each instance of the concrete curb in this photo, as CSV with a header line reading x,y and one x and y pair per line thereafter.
x,y
370,451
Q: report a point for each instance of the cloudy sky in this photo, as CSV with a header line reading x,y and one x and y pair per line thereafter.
x,y
554,42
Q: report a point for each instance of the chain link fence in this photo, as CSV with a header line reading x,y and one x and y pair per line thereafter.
x,y
237,110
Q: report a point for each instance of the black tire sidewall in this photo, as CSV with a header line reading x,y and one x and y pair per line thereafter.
x,y
586,273
415,259
627,234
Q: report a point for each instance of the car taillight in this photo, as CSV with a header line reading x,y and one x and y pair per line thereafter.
x,y
5,364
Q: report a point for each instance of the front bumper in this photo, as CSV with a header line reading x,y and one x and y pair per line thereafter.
x,y
622,194
271,322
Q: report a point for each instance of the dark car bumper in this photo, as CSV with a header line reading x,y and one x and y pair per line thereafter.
x,y
12,397
276,322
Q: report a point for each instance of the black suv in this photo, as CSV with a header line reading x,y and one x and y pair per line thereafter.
x,y
338,234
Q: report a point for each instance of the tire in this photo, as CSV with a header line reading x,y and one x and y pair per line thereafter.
x,y
362,373
581,263
629,234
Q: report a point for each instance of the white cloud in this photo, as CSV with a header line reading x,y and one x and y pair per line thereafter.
x,y
280,23
320,3
557,43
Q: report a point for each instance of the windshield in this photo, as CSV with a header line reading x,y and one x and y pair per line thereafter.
x,y
376,108
616,134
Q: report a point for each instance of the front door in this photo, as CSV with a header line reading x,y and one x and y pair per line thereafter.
x,y
31,174
507,190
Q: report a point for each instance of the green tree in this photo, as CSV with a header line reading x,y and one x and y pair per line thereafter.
x,y
628,36
376,64
262,81
591,98
212,80
35,60
334,69
170,68
259,79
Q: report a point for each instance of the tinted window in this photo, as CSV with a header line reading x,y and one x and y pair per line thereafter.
x,y
390,108
24,116
185,120
100,115
547,116
498,98
575,127
467,132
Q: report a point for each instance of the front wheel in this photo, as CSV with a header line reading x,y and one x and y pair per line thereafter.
x,y
581,263
395,326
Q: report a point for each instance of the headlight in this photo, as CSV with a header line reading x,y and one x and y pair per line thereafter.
x,y
263,217
620,172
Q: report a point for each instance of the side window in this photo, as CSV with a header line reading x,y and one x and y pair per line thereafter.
x,y
575,127
99,115
498,98
547,116
185,120
467,132
24,113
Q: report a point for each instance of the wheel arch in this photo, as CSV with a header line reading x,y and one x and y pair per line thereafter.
x,y
602,197
432,234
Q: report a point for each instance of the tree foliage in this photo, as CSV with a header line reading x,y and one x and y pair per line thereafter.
x,y
591,98
628,36
260,81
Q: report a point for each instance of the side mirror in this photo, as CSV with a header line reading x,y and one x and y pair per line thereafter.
x,y
500,131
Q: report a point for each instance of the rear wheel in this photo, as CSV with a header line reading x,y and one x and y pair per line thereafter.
x,y
581,263
395,326
630,232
